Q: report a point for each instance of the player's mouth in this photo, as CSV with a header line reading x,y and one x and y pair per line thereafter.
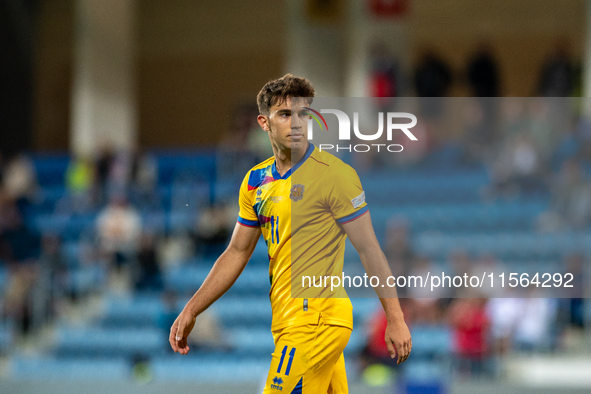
x,y
296,136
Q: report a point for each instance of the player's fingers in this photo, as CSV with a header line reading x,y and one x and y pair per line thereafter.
x,y
172,337
402,352
180,333
406,351
391,348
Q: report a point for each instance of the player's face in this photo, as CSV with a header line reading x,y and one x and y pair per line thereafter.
x,y
287,125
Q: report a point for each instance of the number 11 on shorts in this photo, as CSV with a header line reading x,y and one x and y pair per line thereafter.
x,y
283,353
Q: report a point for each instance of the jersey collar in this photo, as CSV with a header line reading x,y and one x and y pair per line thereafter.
x,y
292,169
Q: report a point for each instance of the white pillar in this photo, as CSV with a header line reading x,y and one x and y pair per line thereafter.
x,y
314,50
103,96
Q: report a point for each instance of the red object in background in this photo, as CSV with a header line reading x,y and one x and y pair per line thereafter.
x,y
376,344
382,85
470,329
389,8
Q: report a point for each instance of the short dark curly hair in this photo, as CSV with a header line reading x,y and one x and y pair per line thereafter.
x,y
277,90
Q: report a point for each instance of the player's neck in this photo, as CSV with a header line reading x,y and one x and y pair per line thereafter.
x,y
287,158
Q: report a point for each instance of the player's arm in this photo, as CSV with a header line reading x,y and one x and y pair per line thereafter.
x,y
222,276
361,233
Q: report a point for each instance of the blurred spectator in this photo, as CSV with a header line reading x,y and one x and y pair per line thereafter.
x,y
20,180
432,78
103,164
384,78
119,230
212,231
398,248
482,72
470,325
79,183
571,200
52,282
541,127
533,331
557,74
19,247
425,303
147,275
504,314
575,265
517,168
568,144
487,264
18,243
18,296
144,178
79,175
479,128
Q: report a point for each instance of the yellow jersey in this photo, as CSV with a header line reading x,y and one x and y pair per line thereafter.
x,y
301,215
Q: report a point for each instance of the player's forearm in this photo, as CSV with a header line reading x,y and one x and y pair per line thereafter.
x,y
222,276
376,264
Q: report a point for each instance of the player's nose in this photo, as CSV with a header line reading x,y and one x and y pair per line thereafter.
x,y
296,122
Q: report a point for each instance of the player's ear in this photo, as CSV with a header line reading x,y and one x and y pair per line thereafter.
x,y
263,122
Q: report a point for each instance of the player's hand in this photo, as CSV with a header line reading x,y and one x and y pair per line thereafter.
x,y
179,332
398,340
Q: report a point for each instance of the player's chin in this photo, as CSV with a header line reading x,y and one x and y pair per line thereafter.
x,y
296,143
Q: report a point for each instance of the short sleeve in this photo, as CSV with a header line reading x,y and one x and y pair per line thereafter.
x,y
346,198
247,216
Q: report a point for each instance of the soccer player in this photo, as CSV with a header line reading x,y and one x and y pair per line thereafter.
x,y
304,226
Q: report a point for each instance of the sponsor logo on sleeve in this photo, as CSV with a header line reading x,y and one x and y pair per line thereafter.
x,y
359,200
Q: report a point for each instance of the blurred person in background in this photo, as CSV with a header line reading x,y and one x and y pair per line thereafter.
x,y
483,72
541,125
470,324
427,305
534,330
570,206
238,146
79,184
103,164
20,249
212,231
478,130
557,73
20,181
143,177
569,142
504,314
146,270
517,167
575,265
119,231
398,249
384,76
432,78
52,283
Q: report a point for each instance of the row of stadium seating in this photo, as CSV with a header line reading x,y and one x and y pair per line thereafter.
x,y
430,344
458,218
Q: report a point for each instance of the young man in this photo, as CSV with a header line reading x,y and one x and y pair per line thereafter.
x,y
305,226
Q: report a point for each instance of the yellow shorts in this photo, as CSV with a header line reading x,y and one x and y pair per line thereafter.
x,y
309,359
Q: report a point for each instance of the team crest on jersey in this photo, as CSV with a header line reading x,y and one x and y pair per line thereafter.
x,y
259,193
297,192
